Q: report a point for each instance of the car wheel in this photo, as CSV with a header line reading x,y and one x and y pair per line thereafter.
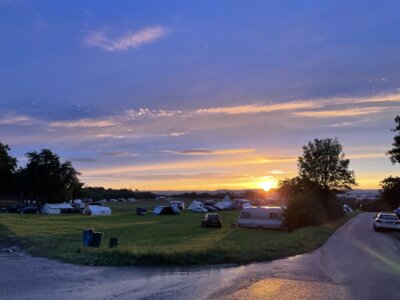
x,y
376,229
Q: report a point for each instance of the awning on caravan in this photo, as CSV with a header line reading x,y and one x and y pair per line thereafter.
x,y
55,208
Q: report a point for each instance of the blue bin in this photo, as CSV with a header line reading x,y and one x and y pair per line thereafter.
x,y
87,237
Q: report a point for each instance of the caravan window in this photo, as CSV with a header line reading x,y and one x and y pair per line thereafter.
x,y
245,215
275,216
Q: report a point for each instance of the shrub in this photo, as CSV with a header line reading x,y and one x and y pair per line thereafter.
x,y
305,210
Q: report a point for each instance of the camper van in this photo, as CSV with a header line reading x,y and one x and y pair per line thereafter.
x,y
261,217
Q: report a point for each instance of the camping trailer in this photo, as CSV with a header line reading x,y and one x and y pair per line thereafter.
x,y
261,217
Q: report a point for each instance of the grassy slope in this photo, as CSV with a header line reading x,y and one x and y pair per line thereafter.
x,y
156,239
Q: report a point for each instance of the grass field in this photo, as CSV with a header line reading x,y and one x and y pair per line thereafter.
x,y
155,240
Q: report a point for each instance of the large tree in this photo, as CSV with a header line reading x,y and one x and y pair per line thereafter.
x,y
324,163
46,179
390,191
394,153
8,165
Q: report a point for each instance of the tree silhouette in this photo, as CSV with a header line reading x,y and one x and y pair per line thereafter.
x,y
324,163
394,153
8,165
46,179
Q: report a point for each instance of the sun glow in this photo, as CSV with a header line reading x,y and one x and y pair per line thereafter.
x,y
267,185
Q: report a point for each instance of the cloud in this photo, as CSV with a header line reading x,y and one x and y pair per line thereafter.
x,y
348,112
279,172
118,154
208,151
177,133
258,108
366,155
84,159
145,113
131,40
84,123
10,119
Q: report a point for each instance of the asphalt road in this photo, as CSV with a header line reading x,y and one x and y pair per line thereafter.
x,y
355,263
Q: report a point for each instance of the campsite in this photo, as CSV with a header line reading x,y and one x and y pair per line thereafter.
x,y
155,239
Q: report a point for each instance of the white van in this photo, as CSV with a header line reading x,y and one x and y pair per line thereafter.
x,y
261,217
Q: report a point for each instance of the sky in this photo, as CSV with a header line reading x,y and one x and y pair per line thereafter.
x,y
199,95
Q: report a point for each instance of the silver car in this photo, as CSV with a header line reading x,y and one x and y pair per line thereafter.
x,y
386,221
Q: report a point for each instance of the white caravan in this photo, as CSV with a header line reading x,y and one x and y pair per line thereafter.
x,y
261,217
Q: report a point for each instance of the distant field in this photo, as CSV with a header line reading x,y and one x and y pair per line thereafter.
x,y
153,240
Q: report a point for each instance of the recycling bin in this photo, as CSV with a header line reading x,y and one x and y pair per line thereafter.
x,y
87,236
96,239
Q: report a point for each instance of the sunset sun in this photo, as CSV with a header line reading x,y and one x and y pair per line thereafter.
x,y
268,185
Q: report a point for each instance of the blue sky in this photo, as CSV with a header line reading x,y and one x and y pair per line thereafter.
x,y
199,94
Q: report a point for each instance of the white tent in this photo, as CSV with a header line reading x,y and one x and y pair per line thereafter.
x,y
131,200
197,206
225,204
55,209
79,203
96,210
179,204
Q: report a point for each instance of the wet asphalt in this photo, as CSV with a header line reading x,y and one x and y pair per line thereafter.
x,y
355,263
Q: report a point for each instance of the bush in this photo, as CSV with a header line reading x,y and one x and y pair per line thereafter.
x,y
305,210
374,206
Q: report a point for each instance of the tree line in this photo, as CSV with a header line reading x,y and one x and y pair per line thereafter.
x,y
43,179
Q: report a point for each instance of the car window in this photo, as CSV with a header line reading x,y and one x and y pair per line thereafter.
x,y
388,217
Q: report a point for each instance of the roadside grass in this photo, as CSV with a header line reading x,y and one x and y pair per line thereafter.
x,y
396,235
156,240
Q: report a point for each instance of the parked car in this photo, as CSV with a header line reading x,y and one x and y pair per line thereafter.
x,y
210,208
211,220
15,208
386,221
30,210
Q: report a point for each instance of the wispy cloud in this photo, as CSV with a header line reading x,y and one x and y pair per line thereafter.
x,y
208,151
145,113
348,112
118,154
11,119
258,108
84,123
84,159
130,40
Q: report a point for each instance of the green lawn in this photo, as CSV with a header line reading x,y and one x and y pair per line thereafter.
x,y
152,240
